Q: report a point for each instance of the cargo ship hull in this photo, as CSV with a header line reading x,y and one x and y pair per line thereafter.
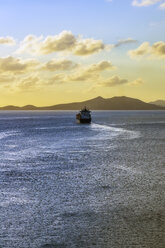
x,y
84,121
84,116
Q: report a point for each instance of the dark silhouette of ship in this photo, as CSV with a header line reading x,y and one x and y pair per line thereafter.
x,y
84,116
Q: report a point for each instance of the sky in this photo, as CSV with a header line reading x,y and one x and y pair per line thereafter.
x,y
59,51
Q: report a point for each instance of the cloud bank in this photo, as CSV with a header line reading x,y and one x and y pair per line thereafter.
x,y
66,41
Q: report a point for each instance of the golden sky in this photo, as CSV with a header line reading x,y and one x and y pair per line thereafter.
x,y
53,52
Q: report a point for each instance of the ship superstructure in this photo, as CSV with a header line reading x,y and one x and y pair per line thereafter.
x,y
84,116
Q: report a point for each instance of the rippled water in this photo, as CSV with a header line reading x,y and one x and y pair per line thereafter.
x,y
64,184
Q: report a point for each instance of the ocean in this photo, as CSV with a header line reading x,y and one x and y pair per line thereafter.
x,y
71,185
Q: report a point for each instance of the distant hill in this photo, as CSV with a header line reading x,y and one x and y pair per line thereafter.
x,y
98,103
159,103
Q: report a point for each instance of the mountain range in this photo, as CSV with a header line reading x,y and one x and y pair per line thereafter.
x,y
98,103
159,103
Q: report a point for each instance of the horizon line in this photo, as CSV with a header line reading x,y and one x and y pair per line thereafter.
x,y
21,106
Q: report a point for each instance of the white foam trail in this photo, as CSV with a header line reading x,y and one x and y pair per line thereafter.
x,y
47,128
11,146
14,198
128,169
106,128
111,131
4,135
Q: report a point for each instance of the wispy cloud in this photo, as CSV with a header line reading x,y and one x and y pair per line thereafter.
x,y
143,3
124,42
162,6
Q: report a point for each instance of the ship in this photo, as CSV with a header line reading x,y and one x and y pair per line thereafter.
x,y
84,116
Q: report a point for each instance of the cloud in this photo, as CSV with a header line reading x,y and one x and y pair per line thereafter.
x,y
6,79
123,42
63,42
143,3
118,81
19,83
137,82
74,77
27,75
101,66
158,48
82,76
7,41
143,49
153,51
29,83
113,81
91,72
57,79
162,6
17,65
30,44
59,65
88,47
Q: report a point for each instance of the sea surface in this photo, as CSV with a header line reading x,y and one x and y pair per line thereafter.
x,y
71,185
